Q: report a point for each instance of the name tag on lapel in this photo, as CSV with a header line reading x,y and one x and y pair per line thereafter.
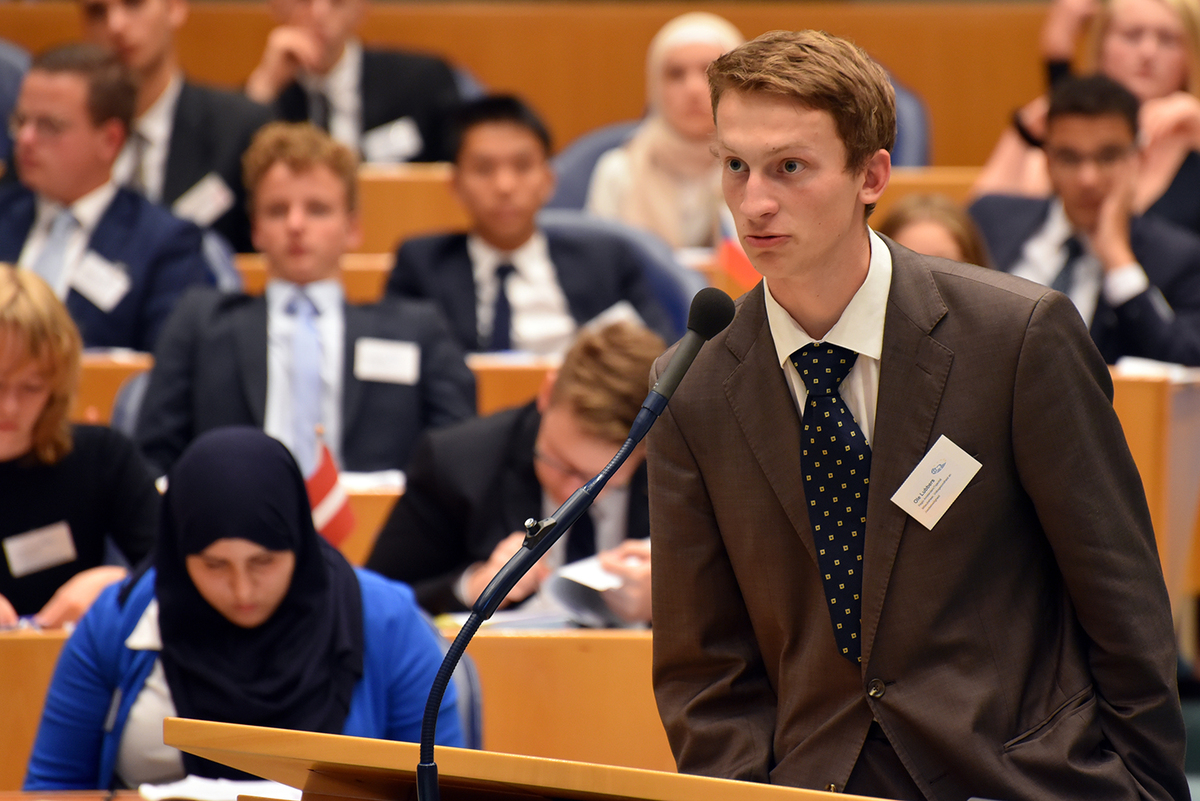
x,y
205,202
387,360
936,482
39,549
101,281
398,140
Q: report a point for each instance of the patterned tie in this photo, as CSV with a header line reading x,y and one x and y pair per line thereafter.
x,y
1066,276
318,110
51,262
137,178
502,316
836,462
306,380
581,539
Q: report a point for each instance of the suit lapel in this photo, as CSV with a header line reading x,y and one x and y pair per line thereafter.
x,y
183,151
458,278
357,323
574,283
251,337
763,407
912,378
15,225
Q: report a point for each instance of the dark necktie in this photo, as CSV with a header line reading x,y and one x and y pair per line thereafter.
x,y
502,311
318,110
836,463
581,539
1066,276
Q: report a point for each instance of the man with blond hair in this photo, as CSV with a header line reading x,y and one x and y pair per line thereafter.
x,y
901,548
472,486
300,357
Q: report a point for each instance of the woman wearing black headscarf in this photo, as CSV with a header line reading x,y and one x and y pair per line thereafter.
x,y
247,617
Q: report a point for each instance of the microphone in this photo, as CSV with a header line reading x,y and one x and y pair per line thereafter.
x,y
711,311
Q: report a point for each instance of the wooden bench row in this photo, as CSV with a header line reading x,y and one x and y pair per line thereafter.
x,y
581,63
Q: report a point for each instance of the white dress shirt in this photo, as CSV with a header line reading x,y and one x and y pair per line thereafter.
x,y
860,329
342,87
329,299
87,211
154,127
1045,254
541,320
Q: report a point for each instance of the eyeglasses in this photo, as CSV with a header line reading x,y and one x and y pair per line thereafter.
x,y
565,469
1105,159
46,127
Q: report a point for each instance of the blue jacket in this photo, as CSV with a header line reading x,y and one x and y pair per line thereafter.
x,y
98,679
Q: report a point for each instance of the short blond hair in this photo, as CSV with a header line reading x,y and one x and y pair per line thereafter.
x,y
604,377
301,146
35,325
1188,12
821,72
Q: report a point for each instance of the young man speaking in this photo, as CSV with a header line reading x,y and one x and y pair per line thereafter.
x,y
901,548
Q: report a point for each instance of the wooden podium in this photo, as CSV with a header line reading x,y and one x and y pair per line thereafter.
x,y
329,767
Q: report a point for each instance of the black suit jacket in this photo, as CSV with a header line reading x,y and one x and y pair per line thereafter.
x,y
595,270
395,84
468,487
160,254
211,130
210,370
1170,255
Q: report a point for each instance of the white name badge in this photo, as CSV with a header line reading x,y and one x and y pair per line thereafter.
x,y
42,548
387,360
398,140
936,482
205,202
100,281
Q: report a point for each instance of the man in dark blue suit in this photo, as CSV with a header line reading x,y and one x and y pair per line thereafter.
x,y
1135,279
543,285
186,148
372,377
119,262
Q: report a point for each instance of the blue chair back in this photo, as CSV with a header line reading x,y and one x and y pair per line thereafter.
x,y
912,128
469,691
128,402
575,163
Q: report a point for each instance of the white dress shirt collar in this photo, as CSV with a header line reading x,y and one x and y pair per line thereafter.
x,y
155,126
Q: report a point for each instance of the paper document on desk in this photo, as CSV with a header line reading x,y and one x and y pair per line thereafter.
x,y
199,788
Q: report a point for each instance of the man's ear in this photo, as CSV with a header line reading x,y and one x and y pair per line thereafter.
x,y
546,390
875,177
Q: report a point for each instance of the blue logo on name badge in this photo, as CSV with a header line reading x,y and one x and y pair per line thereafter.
x,y
938,469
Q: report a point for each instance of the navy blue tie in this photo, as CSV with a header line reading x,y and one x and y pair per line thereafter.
x,y
836,464
1066,276
502,316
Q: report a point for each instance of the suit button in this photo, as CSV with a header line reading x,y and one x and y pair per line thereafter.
x,y
875,688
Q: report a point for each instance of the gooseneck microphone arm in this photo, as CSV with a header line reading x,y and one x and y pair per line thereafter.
x,y
710,312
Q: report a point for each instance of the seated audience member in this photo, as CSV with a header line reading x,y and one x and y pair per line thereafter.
x,y
470,487
542,285
247,616
936,226
373,376
1135,279
63,488
13,63
120,262
666,178
186,145
388,105
1152,48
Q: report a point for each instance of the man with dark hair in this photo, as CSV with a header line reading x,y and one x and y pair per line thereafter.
x,y
185,147
1134,279
470,487
900,547
373,377
541,285
119,262
387,105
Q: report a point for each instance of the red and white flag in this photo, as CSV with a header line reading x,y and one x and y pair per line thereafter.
x,y
332,515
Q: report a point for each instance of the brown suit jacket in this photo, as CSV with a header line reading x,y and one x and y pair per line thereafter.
x,y
1023,648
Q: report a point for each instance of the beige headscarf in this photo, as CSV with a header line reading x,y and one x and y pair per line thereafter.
x,y
664,164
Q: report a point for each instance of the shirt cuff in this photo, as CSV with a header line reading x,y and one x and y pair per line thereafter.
x,y
1125,283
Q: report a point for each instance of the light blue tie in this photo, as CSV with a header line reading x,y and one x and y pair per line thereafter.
x,y
51,262
306,381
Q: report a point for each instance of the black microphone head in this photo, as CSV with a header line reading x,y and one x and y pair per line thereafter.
x,y
710,312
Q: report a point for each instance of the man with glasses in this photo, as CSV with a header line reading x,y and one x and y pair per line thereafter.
x,y
1135,279
118,262
470,487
